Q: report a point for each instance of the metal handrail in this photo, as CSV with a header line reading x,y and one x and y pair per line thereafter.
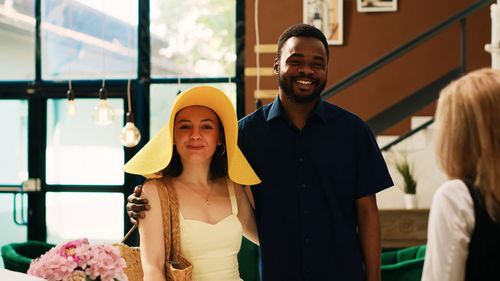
x,y
407,135
411,104
376,64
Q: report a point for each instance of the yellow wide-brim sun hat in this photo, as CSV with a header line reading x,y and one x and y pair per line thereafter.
x,y
157,153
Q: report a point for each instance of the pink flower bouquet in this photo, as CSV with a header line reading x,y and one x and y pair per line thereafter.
x,y
77,261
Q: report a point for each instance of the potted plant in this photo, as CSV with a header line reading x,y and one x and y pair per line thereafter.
x,y
405,169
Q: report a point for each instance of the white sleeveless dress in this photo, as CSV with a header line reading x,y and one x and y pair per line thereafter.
x,y
213,248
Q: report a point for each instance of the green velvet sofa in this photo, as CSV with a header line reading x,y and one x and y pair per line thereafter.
x,y
404,264
18,256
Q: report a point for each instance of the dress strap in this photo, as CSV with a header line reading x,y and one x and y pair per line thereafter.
x,y
232,196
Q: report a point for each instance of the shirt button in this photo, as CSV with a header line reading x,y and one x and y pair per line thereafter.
x,y
306,212
303,185
301,159
306,240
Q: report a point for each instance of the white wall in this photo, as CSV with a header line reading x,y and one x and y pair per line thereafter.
x,y
421,153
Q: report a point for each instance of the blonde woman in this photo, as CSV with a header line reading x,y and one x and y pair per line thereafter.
x,y
464,222
196,155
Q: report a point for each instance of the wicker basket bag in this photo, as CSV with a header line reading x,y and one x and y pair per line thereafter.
x,y
177,268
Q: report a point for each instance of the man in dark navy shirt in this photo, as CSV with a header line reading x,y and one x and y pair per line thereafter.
x,y
320,168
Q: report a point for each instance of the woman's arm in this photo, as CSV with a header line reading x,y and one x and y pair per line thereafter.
x,y
246,215
369,235
151,236
451,221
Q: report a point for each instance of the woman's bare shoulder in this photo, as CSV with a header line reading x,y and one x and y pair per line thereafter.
x,y
238,189
150,187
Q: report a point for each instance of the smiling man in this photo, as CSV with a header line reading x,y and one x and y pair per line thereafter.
x,y
320,168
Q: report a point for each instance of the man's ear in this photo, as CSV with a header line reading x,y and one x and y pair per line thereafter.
x,y
276,66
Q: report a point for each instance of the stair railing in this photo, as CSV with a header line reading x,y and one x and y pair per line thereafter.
x,y
406,47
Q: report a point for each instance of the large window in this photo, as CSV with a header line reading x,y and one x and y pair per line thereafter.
x,y
13,143
89,39
193,38
79,152
17,37
69,216
13,170
12,232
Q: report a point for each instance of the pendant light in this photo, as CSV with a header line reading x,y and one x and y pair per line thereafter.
x,y
179,91
103,113
71,107
130,135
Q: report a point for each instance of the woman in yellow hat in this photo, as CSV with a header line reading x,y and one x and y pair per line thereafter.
x,y
196,155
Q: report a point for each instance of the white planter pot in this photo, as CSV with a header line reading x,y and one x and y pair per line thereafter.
x,y
411,201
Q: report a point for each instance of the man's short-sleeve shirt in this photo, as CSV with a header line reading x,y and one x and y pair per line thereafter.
x,y
305,206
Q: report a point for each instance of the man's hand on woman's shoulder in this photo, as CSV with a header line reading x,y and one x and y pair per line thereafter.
x,y
136,205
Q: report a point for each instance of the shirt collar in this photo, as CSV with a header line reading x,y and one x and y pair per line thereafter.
x,y
277,110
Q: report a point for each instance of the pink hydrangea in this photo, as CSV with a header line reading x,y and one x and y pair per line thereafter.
x,y
105,262
97,261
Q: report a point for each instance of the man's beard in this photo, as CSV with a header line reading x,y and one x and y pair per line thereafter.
x,y
286,86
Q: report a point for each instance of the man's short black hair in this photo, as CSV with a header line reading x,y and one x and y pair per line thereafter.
x,y
302,30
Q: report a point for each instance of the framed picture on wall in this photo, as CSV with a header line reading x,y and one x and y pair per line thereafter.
x,y
377,5
326,15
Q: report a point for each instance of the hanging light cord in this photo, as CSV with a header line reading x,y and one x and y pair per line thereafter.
x,y
128,96
130,34
103,42
70,86
257,42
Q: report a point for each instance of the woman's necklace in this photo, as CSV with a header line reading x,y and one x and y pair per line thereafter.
x,y
205,198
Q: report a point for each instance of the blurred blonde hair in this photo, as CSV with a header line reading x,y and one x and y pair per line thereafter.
x,y
468,135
